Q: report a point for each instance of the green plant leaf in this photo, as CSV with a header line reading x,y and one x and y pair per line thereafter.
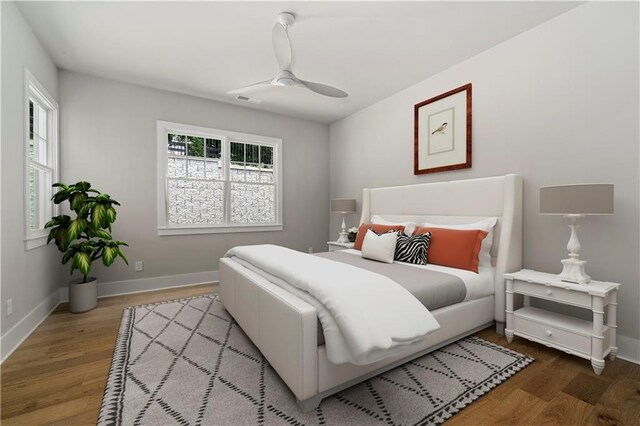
x,y
75,228
77,200
98,233
109,255
67,256
61,196
82,261
60,237
82,186
111,214
99,215
121,254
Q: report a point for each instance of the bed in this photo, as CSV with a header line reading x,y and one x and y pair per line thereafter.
x,y
285,328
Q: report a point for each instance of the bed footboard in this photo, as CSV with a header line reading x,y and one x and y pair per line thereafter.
x,y
261,307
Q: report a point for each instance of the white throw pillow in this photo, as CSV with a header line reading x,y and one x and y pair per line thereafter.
x,y
379,247
409,227
484,257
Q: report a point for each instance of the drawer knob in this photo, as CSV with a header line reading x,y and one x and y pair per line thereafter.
x,y
548,333
549,292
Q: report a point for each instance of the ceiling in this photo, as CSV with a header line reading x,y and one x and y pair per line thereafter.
x,y
369,49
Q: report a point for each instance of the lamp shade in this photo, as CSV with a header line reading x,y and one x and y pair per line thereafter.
x,y
581,199
343,206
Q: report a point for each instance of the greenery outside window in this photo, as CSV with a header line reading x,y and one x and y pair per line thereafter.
x,y
212,181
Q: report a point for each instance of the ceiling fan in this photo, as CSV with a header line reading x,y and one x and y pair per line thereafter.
x,y
285,77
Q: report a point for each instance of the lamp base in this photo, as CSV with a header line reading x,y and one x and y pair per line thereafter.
x,y
344,237
573,271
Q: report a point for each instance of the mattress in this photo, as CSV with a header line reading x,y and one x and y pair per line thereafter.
x,y
433,285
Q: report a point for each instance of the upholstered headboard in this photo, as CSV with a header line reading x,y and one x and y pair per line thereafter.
x,y
462,201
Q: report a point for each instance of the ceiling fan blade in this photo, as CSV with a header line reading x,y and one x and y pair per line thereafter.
x,y
323,89
250,87
281,46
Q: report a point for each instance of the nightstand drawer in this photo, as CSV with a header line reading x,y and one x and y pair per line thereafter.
x,y
548,292
557,337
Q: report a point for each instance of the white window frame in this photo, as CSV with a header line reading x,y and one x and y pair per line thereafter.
x,y
33,89
164,128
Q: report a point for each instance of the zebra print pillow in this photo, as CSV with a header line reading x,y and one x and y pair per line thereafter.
x,y
412,249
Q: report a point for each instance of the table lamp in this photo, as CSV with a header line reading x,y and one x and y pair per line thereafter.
x,y
575,202
343,206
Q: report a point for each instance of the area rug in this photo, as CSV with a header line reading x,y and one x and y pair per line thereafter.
x,y
188,362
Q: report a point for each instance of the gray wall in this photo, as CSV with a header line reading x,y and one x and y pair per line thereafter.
x,y
28,277
108,133
557,104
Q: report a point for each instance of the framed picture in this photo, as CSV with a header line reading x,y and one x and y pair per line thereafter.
x,y
442,132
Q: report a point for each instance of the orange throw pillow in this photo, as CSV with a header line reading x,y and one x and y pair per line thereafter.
x,y
377,228
455,248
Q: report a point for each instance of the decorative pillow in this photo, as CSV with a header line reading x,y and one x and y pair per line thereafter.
x,y
377,228
408,226
379,247
412,249
485,225
456,248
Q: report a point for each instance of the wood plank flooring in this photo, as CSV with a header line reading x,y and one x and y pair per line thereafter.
x,y
58,374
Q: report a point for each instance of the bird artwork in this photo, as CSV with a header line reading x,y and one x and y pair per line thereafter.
x,y
441,130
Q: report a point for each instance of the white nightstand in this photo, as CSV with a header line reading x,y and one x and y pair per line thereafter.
x,y
335,246
587,339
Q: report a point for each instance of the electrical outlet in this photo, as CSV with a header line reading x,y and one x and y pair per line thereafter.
x,y
139,266
310,250
9,306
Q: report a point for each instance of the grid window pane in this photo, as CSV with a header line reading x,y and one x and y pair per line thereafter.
x,y
237,152
39,206
214,148
266,155
176,144
195,169
42,122
266,173
195,146
176,167
38,150
252,173
252,204
253,153
195,202
236,172
213,169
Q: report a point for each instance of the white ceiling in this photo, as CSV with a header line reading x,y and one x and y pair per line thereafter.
x,y
369,49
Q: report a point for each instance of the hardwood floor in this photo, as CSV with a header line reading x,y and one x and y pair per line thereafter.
x,y
57,376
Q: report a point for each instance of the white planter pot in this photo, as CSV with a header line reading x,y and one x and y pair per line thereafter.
x,y
83,296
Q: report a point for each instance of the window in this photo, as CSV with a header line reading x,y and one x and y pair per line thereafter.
x,y
41,160
217,181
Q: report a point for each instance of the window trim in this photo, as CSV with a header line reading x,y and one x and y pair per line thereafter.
x,y
166,127
33,88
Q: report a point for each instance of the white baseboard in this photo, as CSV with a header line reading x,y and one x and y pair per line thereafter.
x,y
142,285
628,348
10,340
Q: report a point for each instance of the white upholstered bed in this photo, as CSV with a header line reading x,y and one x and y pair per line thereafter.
x,y
284,327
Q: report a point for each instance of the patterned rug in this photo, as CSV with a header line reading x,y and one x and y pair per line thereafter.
x,y
188,362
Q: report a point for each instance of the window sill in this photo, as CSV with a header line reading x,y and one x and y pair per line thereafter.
x,y
218,229
35,242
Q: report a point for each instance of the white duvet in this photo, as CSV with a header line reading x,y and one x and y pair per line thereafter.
x,y
366,317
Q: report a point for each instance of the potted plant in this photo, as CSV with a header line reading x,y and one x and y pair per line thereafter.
x,y
85,238
353,233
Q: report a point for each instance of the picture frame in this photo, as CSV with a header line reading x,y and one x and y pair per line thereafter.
x,y
442,132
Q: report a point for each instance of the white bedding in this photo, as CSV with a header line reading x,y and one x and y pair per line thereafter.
x,y
366,317
478,285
